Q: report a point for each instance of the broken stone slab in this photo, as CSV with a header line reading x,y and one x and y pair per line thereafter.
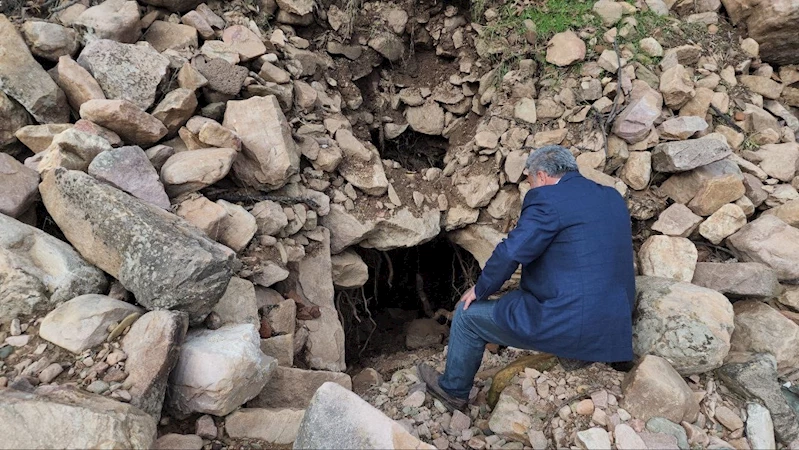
x,y
477,239
690,326
368,176
282,316
242,40
237,227
737,279
193,170
478,190
654,389
349,270
125,71
314,271
129,121
165,262
176,109
594,438
275,426
269,155
174,441
637,119
787,212
152,347
677,220
677,86
679,128
71,149
759,426
203,214
116,20
281,348
129,169
69,418
77,83
780,161
19,185
219,370
338,418
754,377
725,221
294,388
682,156
40,271
668,257
760,328
82,323
770,241
24,80
324,348
403,229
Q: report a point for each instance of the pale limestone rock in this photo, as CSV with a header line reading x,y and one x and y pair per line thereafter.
x,y
337,418
637,171
117,20
507,421
193,170
219,370
737,279
636,120
290,387
275,426
126,119
565,49
82,322
668,257
770,241
349,270
677,220
725,221
427,118
237,228
269,155
759,426
19,185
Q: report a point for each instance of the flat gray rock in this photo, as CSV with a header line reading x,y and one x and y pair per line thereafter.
x,y
163,260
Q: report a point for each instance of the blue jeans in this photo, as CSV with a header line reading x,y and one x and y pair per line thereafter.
x,y
471,330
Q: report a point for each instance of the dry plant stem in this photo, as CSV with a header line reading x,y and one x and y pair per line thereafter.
x,y
428,310
254,197
614,110
726,119
61,7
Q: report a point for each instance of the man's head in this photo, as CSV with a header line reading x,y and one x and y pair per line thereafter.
x,y
546,165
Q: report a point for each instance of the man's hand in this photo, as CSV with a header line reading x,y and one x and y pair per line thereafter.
x,y
468,297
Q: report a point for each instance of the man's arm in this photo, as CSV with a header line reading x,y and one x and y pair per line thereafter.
x,y
537,227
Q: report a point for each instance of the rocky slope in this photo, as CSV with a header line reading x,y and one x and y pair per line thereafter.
x,y
184,184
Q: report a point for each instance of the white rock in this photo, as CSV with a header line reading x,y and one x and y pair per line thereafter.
x,y
594,438
219,370
668,257
759,427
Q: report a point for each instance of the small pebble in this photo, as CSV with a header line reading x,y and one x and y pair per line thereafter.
x,y
624,415
97,387
50,373
40,349
585,407
115,357
122,395
206,428
414,400
88,361
18,341
16,329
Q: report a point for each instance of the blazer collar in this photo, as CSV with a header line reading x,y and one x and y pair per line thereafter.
x,y
568,175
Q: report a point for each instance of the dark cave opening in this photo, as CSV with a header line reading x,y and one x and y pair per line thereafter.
x,y
422,282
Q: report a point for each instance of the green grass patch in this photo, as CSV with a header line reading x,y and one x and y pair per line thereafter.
x,y
550,17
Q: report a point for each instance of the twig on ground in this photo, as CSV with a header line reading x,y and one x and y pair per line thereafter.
x,y
61,7
607,123
726,119
257,196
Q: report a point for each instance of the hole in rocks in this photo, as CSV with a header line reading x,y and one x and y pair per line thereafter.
x,y
414,151
423,282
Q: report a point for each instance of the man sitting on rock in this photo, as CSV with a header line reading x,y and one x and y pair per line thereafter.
x,y
577,289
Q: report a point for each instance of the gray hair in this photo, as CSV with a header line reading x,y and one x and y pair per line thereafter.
x,y
553,160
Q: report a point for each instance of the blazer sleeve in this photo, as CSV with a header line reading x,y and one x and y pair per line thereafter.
x,y
537,227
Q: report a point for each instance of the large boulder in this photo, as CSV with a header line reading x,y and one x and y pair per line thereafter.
x,y
688,325
38,271
770,241
125,71
760,328
165,262
654,389
84,321
338,418
219,370
773,25
269,155
294,388
62,417
737,279
153,346
680,156
24,80
754,377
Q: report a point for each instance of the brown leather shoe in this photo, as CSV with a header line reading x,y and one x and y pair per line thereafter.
x,y
430,377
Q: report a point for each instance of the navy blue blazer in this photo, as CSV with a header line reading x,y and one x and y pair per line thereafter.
x,y
577,289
